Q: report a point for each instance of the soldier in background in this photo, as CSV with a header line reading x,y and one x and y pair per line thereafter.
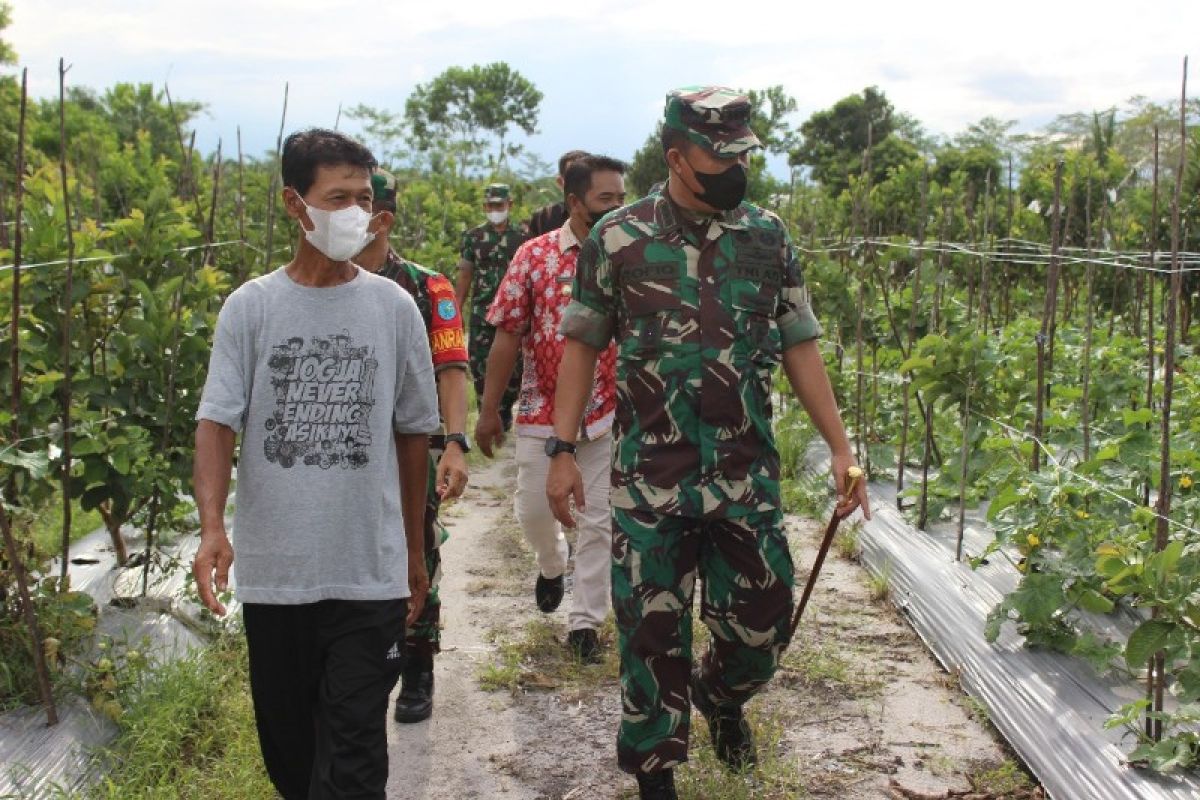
x,y
553,216
705,297
486,251
447,452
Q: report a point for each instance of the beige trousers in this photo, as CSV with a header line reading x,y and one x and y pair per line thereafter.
x,y
593,542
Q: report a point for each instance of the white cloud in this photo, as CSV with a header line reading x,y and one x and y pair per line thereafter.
x,y
604,68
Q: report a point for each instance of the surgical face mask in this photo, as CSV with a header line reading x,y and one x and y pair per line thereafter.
x,y
723,190
497,217
340,234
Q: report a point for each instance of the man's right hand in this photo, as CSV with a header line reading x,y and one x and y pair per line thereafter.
x,y
489,432
564,481
213,560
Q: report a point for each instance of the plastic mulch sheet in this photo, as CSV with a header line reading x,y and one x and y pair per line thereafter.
x,y
38,761
1051,708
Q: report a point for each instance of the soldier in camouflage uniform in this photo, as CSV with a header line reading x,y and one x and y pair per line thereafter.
x,y
704,296
486,251
447,453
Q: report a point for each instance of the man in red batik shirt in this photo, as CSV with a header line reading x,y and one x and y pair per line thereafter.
x,y
526,313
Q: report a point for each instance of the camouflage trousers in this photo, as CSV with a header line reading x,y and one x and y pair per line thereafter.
x,y
747,576
424,636
482,336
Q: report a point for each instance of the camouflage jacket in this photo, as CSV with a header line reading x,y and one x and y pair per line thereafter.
x,y
701,310
439,310
488,251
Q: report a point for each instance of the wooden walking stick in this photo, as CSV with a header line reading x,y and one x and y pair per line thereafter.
x,y
853,476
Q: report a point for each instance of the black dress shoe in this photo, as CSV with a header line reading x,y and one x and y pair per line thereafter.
x,y
549,592
731,736
415,702
657,785
585,644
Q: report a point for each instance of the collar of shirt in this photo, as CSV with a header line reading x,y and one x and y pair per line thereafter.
x,y
566,237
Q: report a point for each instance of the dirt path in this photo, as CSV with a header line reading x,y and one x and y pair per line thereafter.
x,y
859,709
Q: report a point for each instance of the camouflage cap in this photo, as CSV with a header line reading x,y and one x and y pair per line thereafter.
x,y
714,117
496,191
383,184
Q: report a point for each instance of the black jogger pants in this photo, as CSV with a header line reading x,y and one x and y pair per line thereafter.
x,y
320,677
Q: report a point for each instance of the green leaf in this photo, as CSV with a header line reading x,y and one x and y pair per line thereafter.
x,y
1147,639
1164,563
36,463
1091,600
1139,417
915,363
1038,598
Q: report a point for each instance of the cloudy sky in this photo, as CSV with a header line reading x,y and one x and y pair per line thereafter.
x,y
605,66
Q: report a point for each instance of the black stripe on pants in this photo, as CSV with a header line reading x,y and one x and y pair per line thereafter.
x,y
320,676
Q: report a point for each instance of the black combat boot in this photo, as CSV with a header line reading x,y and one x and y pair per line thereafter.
x,y
657,785
415,702
731,736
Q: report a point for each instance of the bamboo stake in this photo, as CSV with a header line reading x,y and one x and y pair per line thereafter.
x,y
902,456
273,189
864,426
927,454
1044,336
1089,321
5,242
36,646
243,268
212,209
1150,301
962,472
184,183
18,242
1158,661
984,309
68,291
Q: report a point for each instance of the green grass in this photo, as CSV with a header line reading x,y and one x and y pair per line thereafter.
x,y
538,658
1007,779
188,732
46,529
880,586
847,543
777,776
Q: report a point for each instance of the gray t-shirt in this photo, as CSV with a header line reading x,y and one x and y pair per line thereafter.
x,y
316,380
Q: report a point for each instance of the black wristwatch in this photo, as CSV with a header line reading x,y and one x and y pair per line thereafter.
x,y
460,439
555,445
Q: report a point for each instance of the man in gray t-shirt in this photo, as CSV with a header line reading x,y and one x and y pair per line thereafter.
x,y
325,371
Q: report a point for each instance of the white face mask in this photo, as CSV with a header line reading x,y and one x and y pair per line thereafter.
x,y
340,234
496,217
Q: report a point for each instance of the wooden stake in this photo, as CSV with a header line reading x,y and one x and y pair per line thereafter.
x,y
1089,321
209,256
274,186
902,456
1162,531
36,646
18,240
243,267
1150,301
1048,309
68,291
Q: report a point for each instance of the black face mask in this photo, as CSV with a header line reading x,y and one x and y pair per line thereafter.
x,y
596,215
723,190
